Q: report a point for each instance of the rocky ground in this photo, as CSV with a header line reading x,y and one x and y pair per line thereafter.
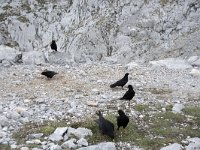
x,y
79,90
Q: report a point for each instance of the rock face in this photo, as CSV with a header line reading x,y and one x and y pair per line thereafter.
x,y
92,30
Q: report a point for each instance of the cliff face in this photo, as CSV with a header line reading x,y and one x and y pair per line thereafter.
x,y
92,30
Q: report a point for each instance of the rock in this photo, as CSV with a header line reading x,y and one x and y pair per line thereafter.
x,y
3,121
82,142
69,144
100,146
92,103
33,57
13,115
58,134
9,54
194,61
177,108
34,141
195,72
55,147
13,146
131,65
2,134
24,148
82,132
20,109
194,144
95,92
172,63
174,146
35,136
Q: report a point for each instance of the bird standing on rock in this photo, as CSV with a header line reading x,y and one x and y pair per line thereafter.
x,y
121,82
122,119
53,45
48,74
129,94
105,126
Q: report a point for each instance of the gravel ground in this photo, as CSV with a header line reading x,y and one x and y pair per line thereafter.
x,y
80,90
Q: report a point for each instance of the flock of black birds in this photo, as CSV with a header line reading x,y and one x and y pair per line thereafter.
x,y
105,126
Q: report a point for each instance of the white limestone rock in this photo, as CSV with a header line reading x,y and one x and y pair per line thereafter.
x,y
70,144
100,146
33,57
194,144
9,54
58,134
82,142
172,63
174,146
177,108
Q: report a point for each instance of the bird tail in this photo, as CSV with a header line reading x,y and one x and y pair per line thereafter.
x,y
112,85
121,98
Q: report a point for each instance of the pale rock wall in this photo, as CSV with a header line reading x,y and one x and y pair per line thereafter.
x,y
92,30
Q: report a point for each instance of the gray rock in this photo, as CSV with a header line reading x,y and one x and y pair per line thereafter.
x,y
57,135
79,132
8,54
82,142
194,60
33,57
177,108
174,146
172,63
100,146
24,148
35,136
55,147
3,121
194,144
70,144
13,115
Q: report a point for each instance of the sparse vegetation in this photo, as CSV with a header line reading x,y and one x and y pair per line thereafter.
x,y
160,129
164,2
4,147
141,107
23,19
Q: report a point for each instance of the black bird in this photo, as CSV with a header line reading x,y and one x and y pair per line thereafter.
x,y
105,126
129,94
49,74
121,82
122,119
53,45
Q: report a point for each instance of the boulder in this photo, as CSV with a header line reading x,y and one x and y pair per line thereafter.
x,y
172,63
34,57
70,144
194,144
9,54
58,134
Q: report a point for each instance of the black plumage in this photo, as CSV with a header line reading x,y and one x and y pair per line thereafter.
x,y
105,126
129,94
122,119
121,82
49,74
53,45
